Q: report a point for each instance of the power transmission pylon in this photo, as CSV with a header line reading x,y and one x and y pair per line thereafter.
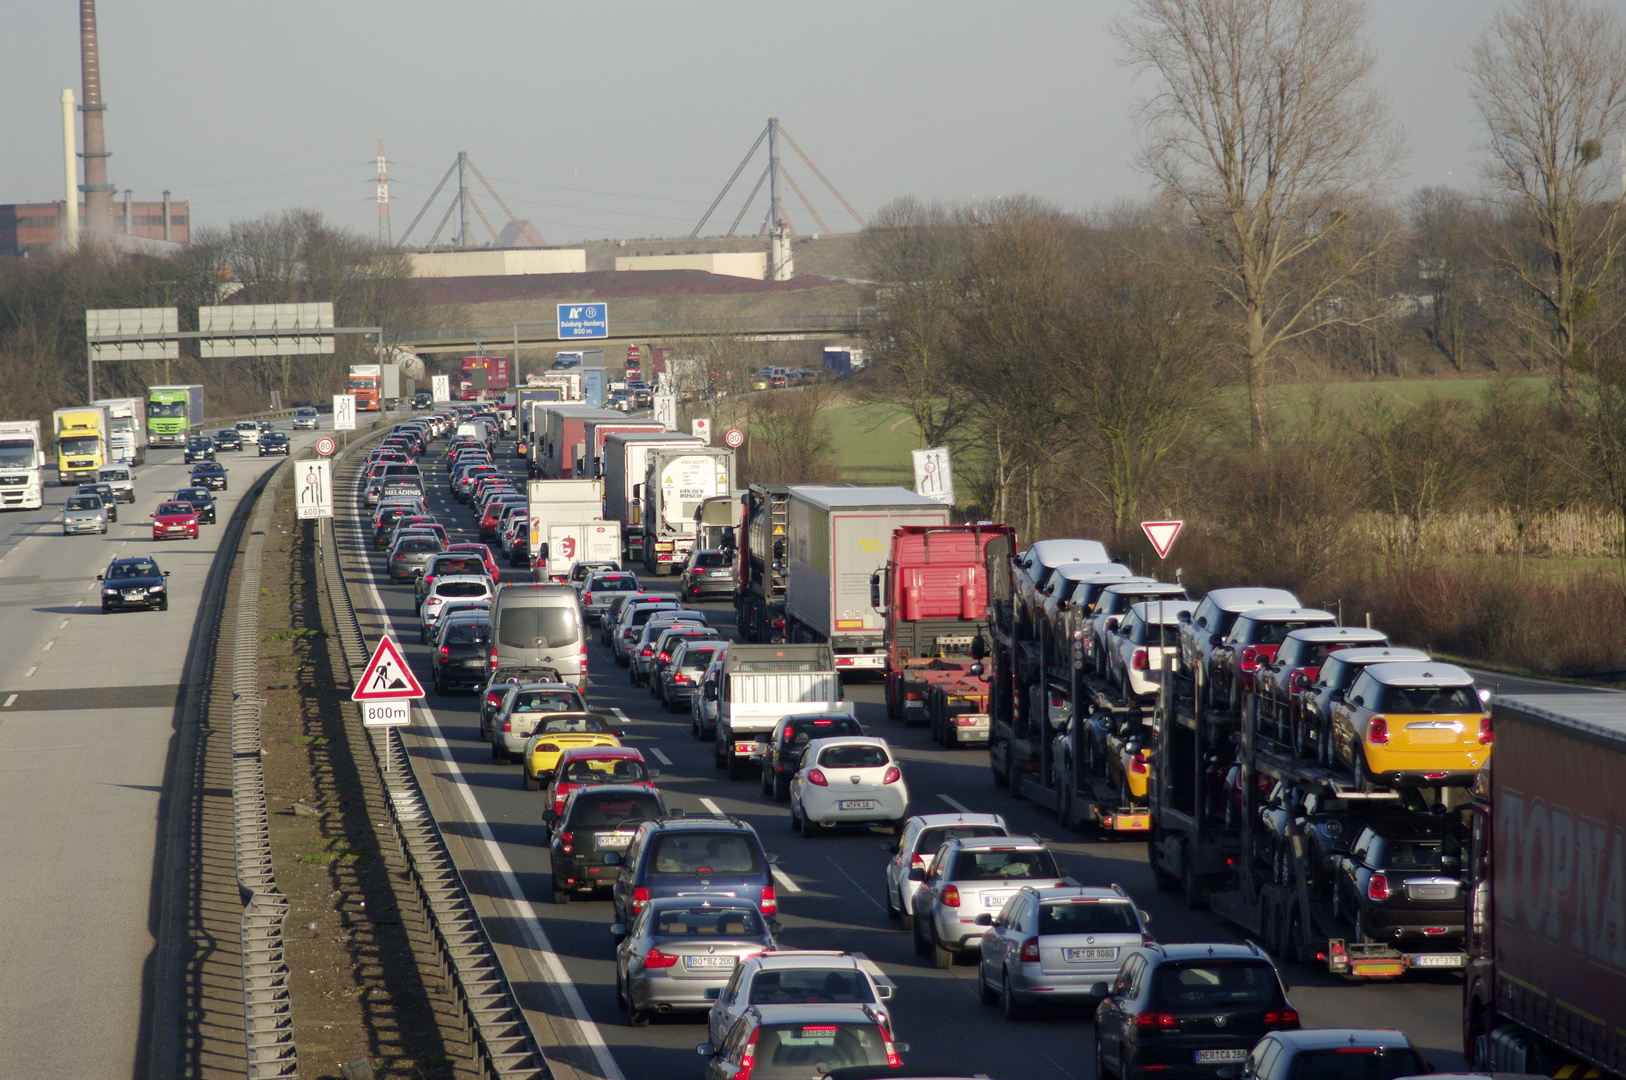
x,y
776,217
383,200
461,203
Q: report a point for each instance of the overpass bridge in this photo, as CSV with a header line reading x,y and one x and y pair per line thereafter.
x,y
546,332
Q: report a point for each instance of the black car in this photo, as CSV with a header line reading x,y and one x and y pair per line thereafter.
x,y
1401,882
134,582
423,399
461,654
596,820
202,502
104,492
201,448
275,442
228,439
209,474
643,399
1189,1011
790,739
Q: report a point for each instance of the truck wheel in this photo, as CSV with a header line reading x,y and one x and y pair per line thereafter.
x,y
1191,884
736,767
1013,776
999,775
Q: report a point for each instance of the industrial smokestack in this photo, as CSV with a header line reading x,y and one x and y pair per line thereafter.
x,y
166,217
98,192
68,233
126,211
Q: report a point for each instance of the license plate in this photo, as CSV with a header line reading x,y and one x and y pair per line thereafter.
x,y
1081,956
612,840
856,804
708,963
474,662
134,594
995,899
1449,960
1204,1056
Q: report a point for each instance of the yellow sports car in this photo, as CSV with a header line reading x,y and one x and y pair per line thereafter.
x,y
1412,723
555,735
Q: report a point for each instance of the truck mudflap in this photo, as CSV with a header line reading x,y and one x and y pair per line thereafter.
x,y
1369,960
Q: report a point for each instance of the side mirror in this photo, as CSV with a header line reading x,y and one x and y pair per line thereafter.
x,y
618,930
1185,618
902,1048
711,692
883,992
152,515
917,873
100,577
618,733
875,590
1112,625
713,993
654,772
166,573
550,815
1300,681
773,860
706,1050
977,668
1146,918
612,858
775,926
1099,990
889,847
985,919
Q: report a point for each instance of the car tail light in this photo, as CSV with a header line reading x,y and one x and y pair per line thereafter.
x,y
892,1059
768,904
748,1057
658,959
1147,939
951,896
493,697
1248,660
917,860
587,597
1486,735
1057,701
1156,1021
678,676
640,897
565,841
1377,731
1285,1018
893,775
779,624
1137,764
1030,951
1377,888
664,657
445,654
914,695
494,658
649,650
816,776
698,572
508,725
1138,661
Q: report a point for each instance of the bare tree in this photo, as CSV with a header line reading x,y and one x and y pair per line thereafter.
x,y
1266,125
1446,229
1420,462
1549,80
1521,455
916,255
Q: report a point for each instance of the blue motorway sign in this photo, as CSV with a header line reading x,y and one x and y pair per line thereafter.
x,y
584,321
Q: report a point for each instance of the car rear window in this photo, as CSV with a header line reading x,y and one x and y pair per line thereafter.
x,y
1431,699
1353,1063
697,658
643,615
416,547
552,626
1206,984
820,986
704,922
798,732
684,853
461,588
853,757
786,1051
614,582
606,771
547,701
591,811
468,634
1087,917
711,559
1003,865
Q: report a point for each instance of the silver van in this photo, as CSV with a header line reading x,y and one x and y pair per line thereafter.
x,y
535,625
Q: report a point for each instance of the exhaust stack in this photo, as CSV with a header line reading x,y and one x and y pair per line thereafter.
x,y
98,192
68,234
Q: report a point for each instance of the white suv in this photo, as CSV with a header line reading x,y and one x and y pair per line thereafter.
x,y
448,588
912,855
250,431
970,877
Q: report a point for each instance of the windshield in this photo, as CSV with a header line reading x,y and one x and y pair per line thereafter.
x,y
1004,865
1214,983
304,412
167,509
165,410
17,454
133,569
1087,917
194,494
82,444
84,502
687,852
819,986
552,626
1431,699
1274,633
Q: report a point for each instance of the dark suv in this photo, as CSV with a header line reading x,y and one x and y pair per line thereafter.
x,y
710,574
1189,1011
692,856
1401,883
597,820
791,735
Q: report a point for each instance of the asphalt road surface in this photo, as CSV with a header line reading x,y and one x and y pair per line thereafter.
x,y
829,887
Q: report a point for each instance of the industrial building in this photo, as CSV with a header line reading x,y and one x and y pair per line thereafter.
x,y
26,228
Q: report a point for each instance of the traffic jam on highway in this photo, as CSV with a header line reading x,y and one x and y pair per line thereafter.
x,y
795,781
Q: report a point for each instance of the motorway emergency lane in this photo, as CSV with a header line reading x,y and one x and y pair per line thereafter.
x,y
88,706
830,889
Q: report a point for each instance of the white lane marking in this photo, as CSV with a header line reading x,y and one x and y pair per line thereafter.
x,y
961,807
619,715
784,879
78,603
861,890
660,757
31,671
50,643
713,807
10,701
91,586
63,625
531,924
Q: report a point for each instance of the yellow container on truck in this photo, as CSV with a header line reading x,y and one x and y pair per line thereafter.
x,y
81,443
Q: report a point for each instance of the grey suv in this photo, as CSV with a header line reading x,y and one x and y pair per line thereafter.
x,y
709,575
970,877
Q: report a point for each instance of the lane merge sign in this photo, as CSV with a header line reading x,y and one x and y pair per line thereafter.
x,y
1161,534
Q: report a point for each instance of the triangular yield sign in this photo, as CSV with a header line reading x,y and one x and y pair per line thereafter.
x,y
1161,534
387,676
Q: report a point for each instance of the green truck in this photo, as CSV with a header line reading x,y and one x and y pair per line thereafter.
x,y
172,413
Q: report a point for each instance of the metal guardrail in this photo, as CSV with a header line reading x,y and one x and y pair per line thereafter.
x,y
504,1046
268,1026
547,330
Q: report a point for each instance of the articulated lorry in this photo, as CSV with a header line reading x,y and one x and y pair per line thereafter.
x,y
561,449
761,684
676,482
595,432
626,461
127,436
363,384
173,413
1545,987
81,443
22,465
933,594
838,538
759,562
483,378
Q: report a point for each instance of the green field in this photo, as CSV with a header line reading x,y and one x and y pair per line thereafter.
x,y
1294,399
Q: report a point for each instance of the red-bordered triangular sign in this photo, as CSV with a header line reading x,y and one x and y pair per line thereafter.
x,y
387,676
1161,534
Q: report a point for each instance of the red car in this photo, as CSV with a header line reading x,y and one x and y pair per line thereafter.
x,y
480,550
175,519
584,766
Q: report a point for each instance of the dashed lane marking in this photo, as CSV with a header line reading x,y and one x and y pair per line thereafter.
x,y
9,701
63,625
784,879
961,807
31,671
49,644
660,757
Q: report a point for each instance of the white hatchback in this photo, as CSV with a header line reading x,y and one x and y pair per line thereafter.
x,y
851,780
451,587
250,431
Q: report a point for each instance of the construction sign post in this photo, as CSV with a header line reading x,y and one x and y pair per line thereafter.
x,y
1161,534
386,688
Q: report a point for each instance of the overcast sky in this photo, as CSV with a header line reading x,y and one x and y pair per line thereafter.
x,y
625,119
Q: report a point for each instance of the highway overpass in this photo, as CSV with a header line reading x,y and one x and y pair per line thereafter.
x,y
546,331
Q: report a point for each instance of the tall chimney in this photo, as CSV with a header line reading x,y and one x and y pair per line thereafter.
x,y
126,211
67,234
166,214
98,192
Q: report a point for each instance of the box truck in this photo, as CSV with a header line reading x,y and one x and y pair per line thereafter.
x,y
626,460
839,537
22,465
676,482
173,413
127,435
762,683
553,501
560,450
81,443
571,542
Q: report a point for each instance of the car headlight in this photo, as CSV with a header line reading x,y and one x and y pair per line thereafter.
x,y
110,592
155,588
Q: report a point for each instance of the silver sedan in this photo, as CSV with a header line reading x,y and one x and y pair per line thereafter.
x,y
681,947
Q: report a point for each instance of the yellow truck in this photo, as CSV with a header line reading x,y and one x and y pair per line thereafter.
x,y
81,443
